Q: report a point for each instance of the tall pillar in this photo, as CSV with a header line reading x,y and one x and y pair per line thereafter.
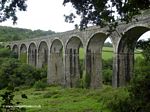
x,y
32,60
123,69
27,57
56,69
50,79
115,70
93,69
67,68
72,74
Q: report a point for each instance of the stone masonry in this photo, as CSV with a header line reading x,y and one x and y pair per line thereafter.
x,y
60,52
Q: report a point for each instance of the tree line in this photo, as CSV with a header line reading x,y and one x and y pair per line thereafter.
x,y
13,34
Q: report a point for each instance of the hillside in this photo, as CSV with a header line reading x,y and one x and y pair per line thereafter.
x,y
12,34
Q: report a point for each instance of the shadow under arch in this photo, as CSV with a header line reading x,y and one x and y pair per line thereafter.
x,y
42,54
125,54
8,46
32,54
15,51
94,60
73,69
23,53
56,66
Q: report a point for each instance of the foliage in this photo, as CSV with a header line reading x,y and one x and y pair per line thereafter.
x,y
107,76
139,94
23,57
138,99
139,91
8,9
145,46
101,12
14,73
107,71
108,44
12,34
40,85
59,99
5,52
8,104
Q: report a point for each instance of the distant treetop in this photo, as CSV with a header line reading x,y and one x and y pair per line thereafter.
x,y
13,34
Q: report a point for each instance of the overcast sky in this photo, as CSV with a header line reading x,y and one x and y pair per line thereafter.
x,y
44,15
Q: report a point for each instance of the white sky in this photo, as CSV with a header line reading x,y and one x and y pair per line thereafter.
x,y
44,15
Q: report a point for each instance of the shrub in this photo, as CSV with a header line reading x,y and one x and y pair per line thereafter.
x,y
117,100
140,91
138,99
13,72
107,76
107,71
8,103
40,85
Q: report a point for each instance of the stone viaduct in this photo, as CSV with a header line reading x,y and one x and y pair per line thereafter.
x,y
60,52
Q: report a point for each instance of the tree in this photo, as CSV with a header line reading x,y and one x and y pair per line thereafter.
x,y
8,9
145,46
102,12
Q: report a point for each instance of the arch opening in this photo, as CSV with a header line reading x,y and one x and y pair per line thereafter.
x,y
74,57
8,46
32,54
23,53
15,51
107,61
125,52
56,66
43,55
94,60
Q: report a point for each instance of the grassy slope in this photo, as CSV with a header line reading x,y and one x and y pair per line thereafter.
x,y
108,53
57,99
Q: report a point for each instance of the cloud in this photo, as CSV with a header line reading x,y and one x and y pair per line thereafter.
x,y
44,15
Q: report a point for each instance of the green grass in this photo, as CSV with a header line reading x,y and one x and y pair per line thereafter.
x,y
58,99
107,53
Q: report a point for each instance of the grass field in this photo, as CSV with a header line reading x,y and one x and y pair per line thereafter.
x,y
58,99
107,53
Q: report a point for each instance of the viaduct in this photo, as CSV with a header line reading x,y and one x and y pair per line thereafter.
x,y
60,52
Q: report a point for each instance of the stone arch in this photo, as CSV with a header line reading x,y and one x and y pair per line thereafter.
x,y
42,54
72,64
94,60
15,50
125,53
23,53
8,46
32,54
56,66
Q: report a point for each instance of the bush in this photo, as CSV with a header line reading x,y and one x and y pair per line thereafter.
x,y
116,99
107,76
140,91
13,72
40,85
139,94
107,71
8,103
